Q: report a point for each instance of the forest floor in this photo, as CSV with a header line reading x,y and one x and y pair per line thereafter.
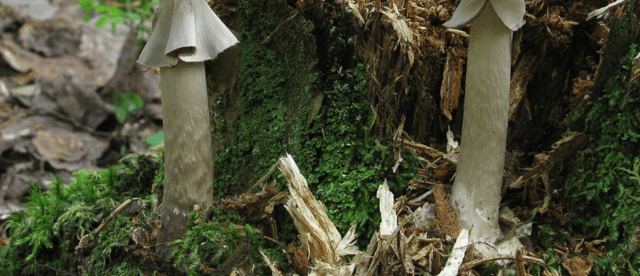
x,y
66,105
64,99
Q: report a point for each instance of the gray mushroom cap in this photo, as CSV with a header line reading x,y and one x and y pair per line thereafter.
x,y
187,30
511,12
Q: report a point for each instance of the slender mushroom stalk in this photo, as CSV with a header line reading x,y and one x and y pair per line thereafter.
x,y
476,191
185,34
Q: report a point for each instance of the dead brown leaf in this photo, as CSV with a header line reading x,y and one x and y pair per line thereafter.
x,y
59,145
578,266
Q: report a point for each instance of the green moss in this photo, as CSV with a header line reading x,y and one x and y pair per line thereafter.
x,y
217,245
603,187
343,162
111,245
301,90
44,236
125,269
275,68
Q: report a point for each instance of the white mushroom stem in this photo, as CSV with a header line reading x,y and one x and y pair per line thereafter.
x,y
476,192
187,151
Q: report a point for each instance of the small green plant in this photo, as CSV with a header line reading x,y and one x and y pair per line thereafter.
x,y
545,230
634,175
552,260
125,104
552,263
155,139
119,11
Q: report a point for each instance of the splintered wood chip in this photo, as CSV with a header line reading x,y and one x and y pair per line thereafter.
x,y
457,254
523,74
59,145
325,246
389,221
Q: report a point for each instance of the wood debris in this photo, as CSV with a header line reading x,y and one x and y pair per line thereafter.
x,y
389,218
324,245
438,167
523,73
400,247
457,255
450,90
544,163
562,149
403,42
605,11
257,205
274,270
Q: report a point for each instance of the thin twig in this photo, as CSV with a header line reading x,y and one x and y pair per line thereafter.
x,y
266,176
274,31
473,263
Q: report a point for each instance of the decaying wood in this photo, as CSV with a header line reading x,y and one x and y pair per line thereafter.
x,y
274,270
389,221
450,90
578,266
545,163
520,271
388,254
561,150
447,219
419,149
457,255
403,43
324,244
523,73
471,264
399,248
438,166
257,206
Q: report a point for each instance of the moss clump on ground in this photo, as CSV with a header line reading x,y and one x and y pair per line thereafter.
x,y
45,238
604,185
